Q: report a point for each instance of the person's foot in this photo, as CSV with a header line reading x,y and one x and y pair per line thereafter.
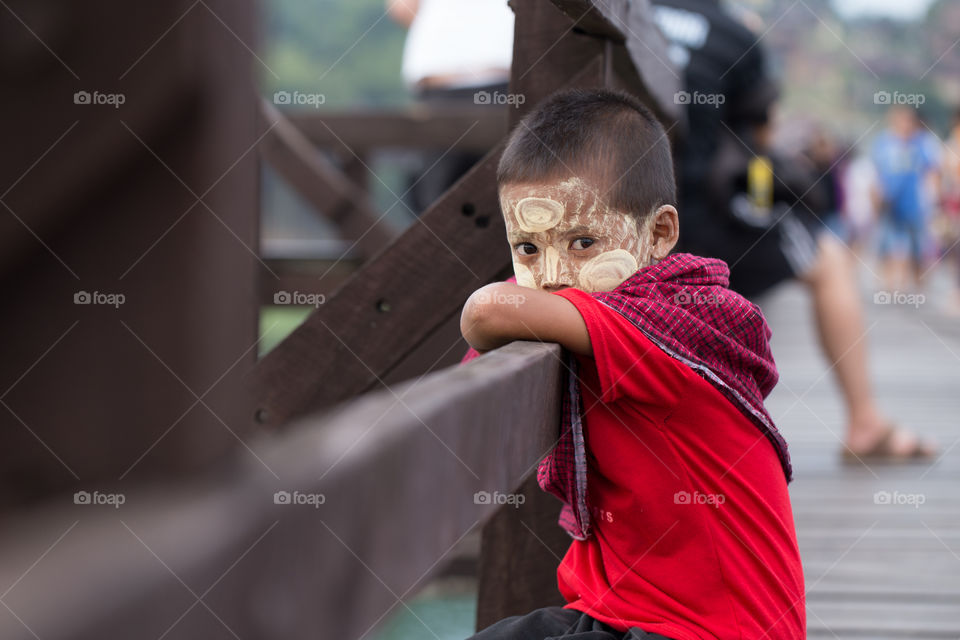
x,y
888,443
952,308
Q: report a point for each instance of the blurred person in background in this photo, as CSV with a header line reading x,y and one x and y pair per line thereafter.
x,y
763,216
828,164
859,203
948,224
457,53
906,159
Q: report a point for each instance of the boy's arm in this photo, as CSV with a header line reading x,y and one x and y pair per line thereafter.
x,y
503,312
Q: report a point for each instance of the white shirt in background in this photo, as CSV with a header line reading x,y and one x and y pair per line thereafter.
x,y
468,41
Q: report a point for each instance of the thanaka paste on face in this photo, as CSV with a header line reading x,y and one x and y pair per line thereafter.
x,y
524,275
551,264
538,214
549,212
607,270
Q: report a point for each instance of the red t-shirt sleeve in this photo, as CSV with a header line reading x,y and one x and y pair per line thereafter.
x,y
628,364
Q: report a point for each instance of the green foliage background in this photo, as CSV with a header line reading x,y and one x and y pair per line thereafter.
x,y
349,51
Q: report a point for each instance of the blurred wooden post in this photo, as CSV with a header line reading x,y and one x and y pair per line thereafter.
x,y
128,171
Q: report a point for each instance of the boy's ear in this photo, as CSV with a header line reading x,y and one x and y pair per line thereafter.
x,y
665,227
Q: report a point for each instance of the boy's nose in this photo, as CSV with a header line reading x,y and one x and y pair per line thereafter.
x,y
551,265
553,271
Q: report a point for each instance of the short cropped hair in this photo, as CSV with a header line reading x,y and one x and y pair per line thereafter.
x,y
609,137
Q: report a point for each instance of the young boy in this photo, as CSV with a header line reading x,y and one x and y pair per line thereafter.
x,y
673,476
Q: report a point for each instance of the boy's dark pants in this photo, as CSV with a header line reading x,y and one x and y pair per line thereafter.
x,y
557,622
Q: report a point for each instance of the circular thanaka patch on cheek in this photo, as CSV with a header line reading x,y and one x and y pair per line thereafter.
x,y
524,276
607,270
538,214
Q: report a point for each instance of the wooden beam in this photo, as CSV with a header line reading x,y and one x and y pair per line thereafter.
x,y
395,475
395,301
464,128
546,48
589,18
332,194
388,306
519,556
636,47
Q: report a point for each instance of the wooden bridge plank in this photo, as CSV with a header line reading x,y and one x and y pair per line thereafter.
x,y
873,570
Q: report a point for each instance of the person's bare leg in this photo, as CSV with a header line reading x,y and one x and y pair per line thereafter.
x,y
842,332
894,269
919,282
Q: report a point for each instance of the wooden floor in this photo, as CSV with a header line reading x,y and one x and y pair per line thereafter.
x,y
880,543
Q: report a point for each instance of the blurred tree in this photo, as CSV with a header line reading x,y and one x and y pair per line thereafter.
x,y
349,51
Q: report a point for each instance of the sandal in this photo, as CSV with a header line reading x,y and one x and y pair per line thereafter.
x,y
883,451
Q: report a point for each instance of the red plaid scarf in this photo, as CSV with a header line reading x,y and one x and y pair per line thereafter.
x,y
682,304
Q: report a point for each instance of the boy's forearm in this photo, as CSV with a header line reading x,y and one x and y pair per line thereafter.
x,y
503,312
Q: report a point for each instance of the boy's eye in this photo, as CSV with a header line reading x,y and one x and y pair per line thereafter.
x,y
582,243
526,248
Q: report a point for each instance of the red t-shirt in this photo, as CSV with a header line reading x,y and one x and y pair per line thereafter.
x,y
692,531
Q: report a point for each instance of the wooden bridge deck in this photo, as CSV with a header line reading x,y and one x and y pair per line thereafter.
x,y
880,543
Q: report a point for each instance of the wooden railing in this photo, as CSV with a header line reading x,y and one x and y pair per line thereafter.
x,y
339,192
386,484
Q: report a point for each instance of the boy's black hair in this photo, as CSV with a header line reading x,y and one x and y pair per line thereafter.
x,y
609,137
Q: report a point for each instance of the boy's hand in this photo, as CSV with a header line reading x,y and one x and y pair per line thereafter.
x,y
503,312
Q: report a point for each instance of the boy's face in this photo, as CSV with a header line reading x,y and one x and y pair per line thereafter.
x,y
562,234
